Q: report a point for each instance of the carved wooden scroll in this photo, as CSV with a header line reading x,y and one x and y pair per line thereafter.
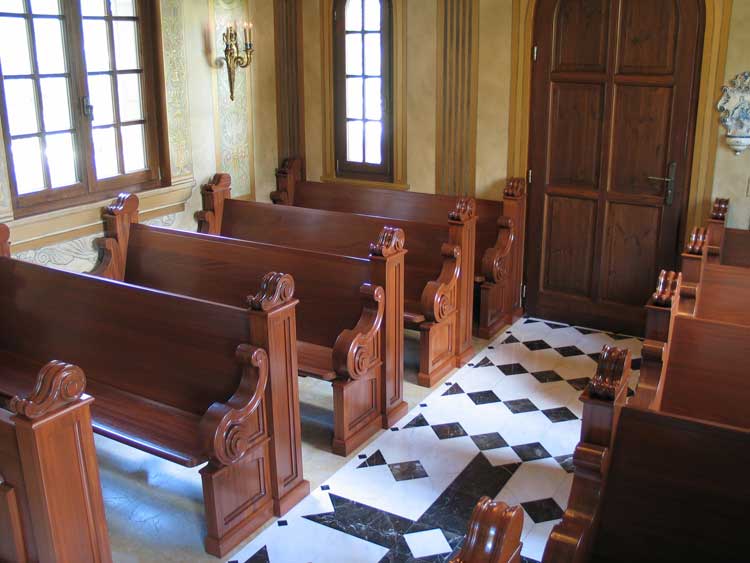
x,y
356,351
494,534
390,241
466,208
287,177
224,427
214,193
696,241
514,188
113,246
720,209
4,240
495,260
275,289
57,385
440,297
611,373
665,288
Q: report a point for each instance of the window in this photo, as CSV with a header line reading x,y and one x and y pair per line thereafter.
x,y
79,102
362,89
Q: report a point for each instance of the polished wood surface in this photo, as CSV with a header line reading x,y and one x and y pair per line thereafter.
x,y
4,240
612,105
494,534
500,228
438,293
154,356
51,505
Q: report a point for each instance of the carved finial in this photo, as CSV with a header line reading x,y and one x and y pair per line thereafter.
x,y
696,241
390,241
4,240
493,535
225,428
720,209
611,373
125,204
275,289
514,187
58,384
466,208
666,286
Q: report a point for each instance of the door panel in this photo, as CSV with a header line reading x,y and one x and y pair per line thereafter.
x,y
575,134
640,139
613,104
569,245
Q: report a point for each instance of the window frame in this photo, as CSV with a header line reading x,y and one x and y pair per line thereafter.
x,y
353,170
89,189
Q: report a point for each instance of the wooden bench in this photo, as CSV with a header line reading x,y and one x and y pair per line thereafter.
x,y
499,242
713,230
51,506
338,335
437,292
180,378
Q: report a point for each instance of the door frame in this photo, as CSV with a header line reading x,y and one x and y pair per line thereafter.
x,y
716,20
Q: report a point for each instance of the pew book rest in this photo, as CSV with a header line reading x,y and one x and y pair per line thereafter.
x,y
499,240
435,275
51,506
336,333
180,378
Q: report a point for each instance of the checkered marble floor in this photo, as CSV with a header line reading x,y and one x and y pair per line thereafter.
x,y
504,426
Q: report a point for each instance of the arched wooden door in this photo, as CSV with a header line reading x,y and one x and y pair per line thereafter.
x,y
614,95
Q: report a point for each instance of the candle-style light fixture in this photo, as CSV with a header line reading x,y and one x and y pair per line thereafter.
x,y
233,55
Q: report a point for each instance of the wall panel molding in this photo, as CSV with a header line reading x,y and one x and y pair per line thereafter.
x,y
290,86
457,94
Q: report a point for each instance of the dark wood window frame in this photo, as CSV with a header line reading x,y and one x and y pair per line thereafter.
x,y
344,168
89,189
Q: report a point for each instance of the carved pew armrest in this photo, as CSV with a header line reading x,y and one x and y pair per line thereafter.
x,y
214,194
57,385
494,533
287,177
113,246
224,426
494,259
440,296
356,350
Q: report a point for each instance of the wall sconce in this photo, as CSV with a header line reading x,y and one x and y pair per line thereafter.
x,y
734,107
233,55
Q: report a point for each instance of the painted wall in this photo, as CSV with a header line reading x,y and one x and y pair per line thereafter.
x,y
732,173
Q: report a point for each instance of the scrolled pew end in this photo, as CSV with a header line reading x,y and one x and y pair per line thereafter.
x,y
214,193
612,374
495,266
514,188
276,289
720,209
287,175
391,240
466,208
666,286
57,385
493,535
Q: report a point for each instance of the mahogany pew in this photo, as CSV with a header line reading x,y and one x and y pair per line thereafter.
x,y
494,534
712,231
180,378
437,293
499,243
338,336
51,506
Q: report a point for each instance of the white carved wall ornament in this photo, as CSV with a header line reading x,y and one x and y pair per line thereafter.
x,y
734,107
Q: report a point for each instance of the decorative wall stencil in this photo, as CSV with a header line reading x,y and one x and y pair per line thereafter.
x,y
457,88
175,75
77,255
6,210
234,116
734,107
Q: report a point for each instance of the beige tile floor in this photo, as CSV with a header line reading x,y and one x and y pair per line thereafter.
x,y
155,509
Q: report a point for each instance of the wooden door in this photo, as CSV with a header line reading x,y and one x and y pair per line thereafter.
x,y
613,108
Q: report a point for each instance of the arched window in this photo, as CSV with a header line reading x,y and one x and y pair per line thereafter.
x,y
362,80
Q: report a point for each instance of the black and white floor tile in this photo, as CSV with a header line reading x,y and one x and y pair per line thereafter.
x,y
504,426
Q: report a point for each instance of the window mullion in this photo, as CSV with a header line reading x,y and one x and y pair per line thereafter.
x,y
115,92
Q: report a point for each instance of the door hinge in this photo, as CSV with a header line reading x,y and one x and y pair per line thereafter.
x,y
534,53
334,15
529,176
337,166
87,108
523,291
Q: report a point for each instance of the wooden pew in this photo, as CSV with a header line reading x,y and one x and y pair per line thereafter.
x,y
500,229
437,292
339,320
494,534
51,506
713,231
180,378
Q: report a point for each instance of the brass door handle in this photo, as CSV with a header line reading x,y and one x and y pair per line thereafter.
x,y
669,180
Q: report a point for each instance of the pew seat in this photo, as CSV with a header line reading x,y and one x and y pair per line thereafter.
x,y
315,360
413,316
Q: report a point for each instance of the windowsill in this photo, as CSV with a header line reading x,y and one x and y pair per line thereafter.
x,y
365,183
66,224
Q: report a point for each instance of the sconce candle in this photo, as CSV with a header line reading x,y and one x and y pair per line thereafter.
x,y
233,55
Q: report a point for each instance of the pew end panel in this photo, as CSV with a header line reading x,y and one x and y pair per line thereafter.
x,y
113,246
51,504
214,194
736,248
493,535
660,305
287,176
